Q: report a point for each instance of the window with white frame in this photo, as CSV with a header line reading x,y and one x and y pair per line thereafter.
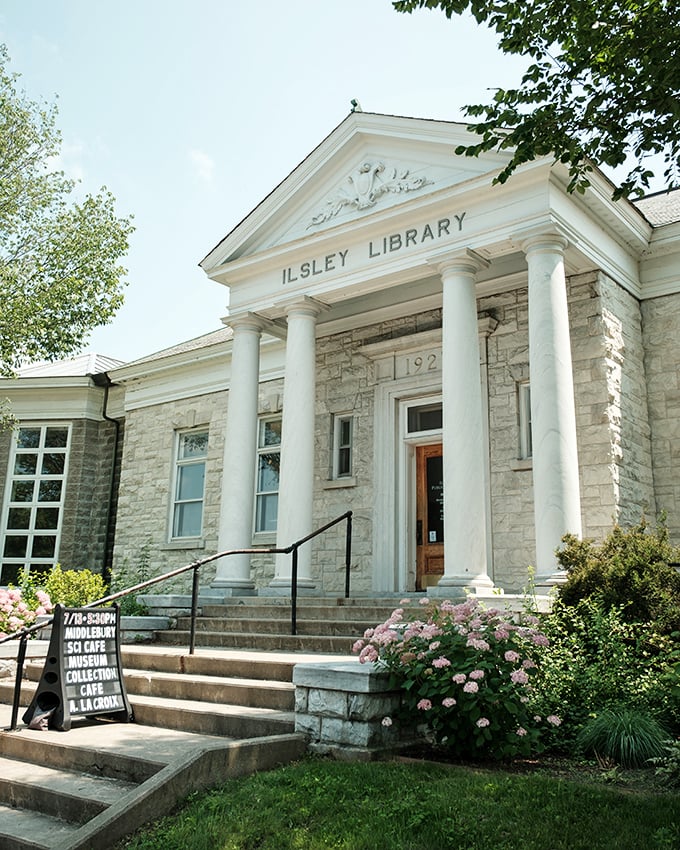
x,y
268,468
34,502
524,420
343,433
189,489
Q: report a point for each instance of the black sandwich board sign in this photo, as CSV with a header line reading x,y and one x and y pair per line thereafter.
x,y
83,674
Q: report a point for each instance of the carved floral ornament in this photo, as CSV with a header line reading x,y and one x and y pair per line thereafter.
x,y
364,186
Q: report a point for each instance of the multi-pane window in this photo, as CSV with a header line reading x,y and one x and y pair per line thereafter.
x,y
524,419
187,516
268,467
34,502
343,427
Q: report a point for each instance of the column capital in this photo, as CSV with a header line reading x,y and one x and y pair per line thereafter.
x,y
245,320
543,242
305,305
465,261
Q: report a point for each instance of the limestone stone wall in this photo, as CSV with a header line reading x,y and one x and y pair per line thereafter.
x,y
660,322
145,492
611,417
629,477
88,487
512,508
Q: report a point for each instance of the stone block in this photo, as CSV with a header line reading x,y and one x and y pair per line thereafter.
x,y
327,703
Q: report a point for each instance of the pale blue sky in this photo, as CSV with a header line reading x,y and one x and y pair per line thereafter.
x,y
191,111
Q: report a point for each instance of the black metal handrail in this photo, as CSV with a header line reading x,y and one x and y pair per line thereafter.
x,y
23,634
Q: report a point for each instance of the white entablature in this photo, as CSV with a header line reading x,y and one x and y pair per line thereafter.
x,y
380,197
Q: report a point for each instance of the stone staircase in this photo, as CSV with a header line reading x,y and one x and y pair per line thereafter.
x,y
326,625
225,711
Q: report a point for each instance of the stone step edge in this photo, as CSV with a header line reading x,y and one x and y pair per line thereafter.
x,y
158,795
79,759
55,793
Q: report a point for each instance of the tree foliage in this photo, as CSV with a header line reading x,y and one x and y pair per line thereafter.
x,y
60,274
603,85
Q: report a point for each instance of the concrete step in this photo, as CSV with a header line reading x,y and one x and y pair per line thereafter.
x,y
321,643
212,689
25,830
71,796
370,614
268,666
266,625
192,715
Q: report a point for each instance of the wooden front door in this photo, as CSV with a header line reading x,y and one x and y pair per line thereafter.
x,y
429,516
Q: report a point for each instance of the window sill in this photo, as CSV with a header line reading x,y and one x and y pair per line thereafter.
x,y
339,483
264,538
522,464
184,543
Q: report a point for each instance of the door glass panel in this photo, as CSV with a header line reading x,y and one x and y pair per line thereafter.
x,y
435,500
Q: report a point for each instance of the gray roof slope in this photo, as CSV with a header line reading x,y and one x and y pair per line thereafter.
x,y
660,208
88,363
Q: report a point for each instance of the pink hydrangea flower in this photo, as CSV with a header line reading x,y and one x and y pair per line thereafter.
x,y
519,677
483,721
512,656
521,731
387,721
471,687
459,678
447,702
553,719
368,653
435,645
424,705
477,674
441,662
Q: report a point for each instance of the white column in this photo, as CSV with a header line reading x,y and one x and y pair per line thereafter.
x,y
465,531
557,504
296,481
240,457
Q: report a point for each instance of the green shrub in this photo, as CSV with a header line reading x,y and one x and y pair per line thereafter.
x,y
632,570
627,736
668,764
128,576
72,588
596,660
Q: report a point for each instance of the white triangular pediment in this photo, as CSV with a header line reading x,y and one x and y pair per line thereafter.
x,y
368,164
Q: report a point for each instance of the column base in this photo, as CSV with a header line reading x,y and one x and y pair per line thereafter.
x,y
551,580
460,587
229,587
283,587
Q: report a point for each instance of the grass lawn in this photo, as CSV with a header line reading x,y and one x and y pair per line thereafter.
x,y
320,804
